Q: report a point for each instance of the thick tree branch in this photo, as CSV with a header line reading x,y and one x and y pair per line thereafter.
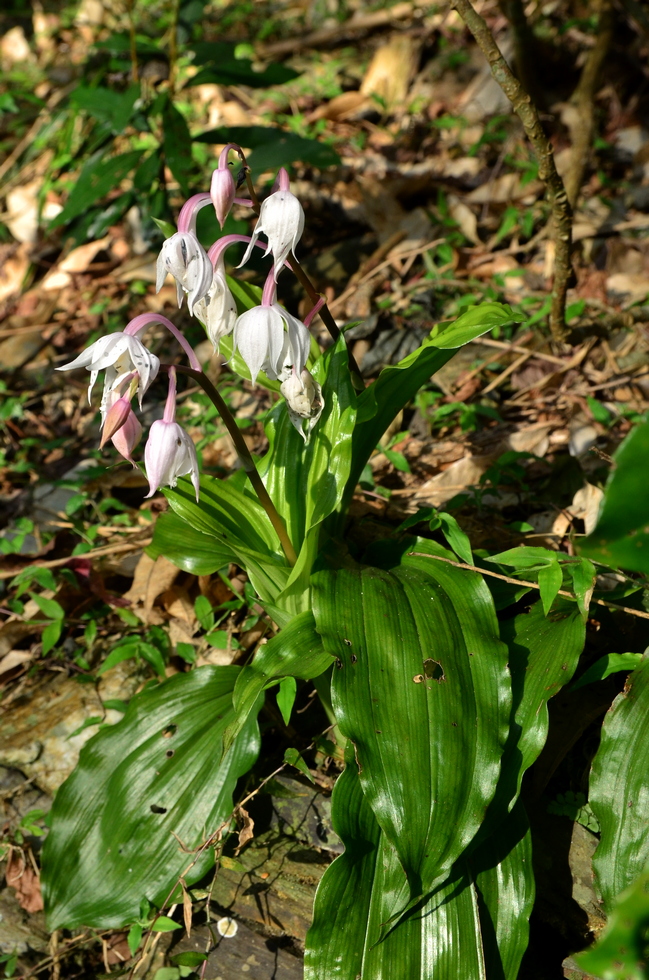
x,y
528,115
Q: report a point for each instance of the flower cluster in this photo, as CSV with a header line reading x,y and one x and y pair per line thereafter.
x,y
267,337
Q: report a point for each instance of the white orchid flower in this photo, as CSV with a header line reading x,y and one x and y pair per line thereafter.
x,y
169,451
184,257
281,220
118,354
260,339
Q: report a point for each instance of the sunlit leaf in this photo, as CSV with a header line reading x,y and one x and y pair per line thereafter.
x,y
145,793
621,537
619,788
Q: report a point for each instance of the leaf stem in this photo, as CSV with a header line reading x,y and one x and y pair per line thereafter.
x,y
245,457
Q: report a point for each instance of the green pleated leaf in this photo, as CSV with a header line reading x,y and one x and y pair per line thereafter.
x,y
543,655
141,787
296,651
452,933
504,879
177,145
621,537
379,404
306,482
619,788
607,665
621,951
422,691
239,522
193,551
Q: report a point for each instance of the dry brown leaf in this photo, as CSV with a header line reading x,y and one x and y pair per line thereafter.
x,y
504,189
246,827
391,69
23,878
13,269
77,260
14,659
187,908
151,579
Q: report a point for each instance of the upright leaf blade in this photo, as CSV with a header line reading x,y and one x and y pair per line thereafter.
x,y
422,693
446,935
138,783
621,536
619,788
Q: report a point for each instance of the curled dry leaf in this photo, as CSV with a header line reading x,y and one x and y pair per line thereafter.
x,y
22,877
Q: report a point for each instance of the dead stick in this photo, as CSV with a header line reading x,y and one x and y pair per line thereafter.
x,y
528,115
582,104
528,585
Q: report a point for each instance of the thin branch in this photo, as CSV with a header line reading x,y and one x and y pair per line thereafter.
x,y
528,114
528,585
580,117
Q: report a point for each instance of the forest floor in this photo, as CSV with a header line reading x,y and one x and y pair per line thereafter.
x,y
433,203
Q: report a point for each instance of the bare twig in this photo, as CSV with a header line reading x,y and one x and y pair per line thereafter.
x,y
580,117
528,585
528,114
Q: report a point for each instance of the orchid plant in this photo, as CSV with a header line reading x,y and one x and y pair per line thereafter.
x,y
402,642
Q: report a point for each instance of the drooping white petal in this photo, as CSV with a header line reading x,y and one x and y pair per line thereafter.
x,y
299,340
218,310
90,355
281,220
168,454
259,337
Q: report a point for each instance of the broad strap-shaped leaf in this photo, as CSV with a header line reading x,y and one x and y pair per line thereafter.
x,y
421,689
296,651
380,403
306,482
141,788
504,880
543,655
450,934
621,537
239,522
619,788
193,551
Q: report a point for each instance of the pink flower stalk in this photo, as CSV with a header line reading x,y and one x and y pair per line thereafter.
x,y
260,338
281,220
169,452
138,323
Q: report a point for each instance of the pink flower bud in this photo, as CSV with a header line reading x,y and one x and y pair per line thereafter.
x,y
222,192
128,437
116,416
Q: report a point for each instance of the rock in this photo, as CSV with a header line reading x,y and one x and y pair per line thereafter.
x,y
20,932
36,730
272,883
246,954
